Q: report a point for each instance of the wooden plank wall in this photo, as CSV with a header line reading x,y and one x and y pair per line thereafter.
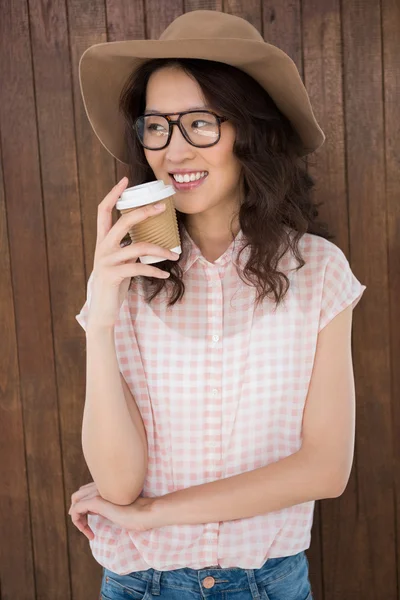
x,y
54,172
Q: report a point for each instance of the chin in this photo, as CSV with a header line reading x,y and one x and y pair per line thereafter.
x,y
191,210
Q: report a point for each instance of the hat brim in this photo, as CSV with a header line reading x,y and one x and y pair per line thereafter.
x,y
104,68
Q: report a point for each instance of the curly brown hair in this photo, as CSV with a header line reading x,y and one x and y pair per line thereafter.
x,y
277,208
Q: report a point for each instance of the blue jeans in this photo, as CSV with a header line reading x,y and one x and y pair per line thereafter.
x,y
283,578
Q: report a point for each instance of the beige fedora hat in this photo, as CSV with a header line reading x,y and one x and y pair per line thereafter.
x,y
206,34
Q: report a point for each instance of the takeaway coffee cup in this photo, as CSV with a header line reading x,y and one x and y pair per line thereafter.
x,y
161,229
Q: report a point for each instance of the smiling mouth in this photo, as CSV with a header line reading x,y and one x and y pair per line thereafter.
x,y
188,177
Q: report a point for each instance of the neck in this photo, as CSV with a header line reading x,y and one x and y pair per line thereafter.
x,y
212,233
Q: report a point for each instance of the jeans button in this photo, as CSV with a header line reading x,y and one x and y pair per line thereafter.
x,y
208,582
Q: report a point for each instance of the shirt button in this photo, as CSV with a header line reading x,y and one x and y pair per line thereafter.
x,y
215,338
208,582
215,391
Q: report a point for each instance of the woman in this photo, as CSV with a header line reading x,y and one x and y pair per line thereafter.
x,y
220,392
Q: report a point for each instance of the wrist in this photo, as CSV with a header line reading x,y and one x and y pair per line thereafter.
x,y
158,508
94,329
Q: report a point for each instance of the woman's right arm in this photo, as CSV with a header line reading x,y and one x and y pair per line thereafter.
x,y
113,435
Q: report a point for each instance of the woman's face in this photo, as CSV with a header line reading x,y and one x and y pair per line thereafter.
x,y
171,91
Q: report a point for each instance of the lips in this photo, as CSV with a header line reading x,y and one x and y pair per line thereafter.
x,y
187,185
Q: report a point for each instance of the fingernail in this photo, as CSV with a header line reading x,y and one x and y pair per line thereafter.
x,y
159,206
123,179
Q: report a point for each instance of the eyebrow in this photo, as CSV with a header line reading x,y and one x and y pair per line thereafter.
x,y
153,111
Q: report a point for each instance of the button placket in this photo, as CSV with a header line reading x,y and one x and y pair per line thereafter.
x,y
215,322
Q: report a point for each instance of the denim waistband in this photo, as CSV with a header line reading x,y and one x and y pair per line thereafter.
x,y
222,579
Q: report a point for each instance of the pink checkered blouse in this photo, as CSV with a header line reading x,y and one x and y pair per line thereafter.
x,y
221,387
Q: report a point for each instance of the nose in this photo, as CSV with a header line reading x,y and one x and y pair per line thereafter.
x,y
178,148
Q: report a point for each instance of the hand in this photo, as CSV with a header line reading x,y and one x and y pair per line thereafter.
x,y
87,492
114,266
87,500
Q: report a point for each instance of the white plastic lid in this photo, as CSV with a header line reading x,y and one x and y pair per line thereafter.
x,y
146,193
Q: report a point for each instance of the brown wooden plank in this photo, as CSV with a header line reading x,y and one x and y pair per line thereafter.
x,y
56,129
160,14
391,63
96,167
251,10
16,559
190,5
371,569
32,307
282,27
323,79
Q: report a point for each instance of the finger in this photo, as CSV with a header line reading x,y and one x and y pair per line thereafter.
x,y
80,522
79,514
87,496
138,249
104,212
83,487
76,496
83,493
96,505
127,220
130,270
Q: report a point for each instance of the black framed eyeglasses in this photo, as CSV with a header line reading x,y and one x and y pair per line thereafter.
x,y
200,128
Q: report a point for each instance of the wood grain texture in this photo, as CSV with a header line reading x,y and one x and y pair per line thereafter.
x,y
372,568
190,5
160,14
391,79
53,174
15,517
251,10
33,311
322,52
282,27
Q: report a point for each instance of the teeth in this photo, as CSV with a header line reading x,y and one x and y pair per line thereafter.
x,y
189,176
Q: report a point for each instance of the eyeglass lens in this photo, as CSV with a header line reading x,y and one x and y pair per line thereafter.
x,y
201,128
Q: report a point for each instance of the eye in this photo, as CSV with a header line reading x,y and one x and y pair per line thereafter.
x,y
200,123
156,128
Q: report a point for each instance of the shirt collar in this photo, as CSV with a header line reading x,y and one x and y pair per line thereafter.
x,y
230,254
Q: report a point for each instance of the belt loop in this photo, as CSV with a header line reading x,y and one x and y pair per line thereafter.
x,y
155,583
255,594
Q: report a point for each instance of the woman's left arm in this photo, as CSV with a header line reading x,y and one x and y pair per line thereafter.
x,y
320,469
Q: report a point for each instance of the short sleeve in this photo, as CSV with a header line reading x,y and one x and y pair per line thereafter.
x,y
82,316
340,287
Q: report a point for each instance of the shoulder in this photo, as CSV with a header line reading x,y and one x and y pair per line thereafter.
x,y
329,277
317,250
325,263
321,258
